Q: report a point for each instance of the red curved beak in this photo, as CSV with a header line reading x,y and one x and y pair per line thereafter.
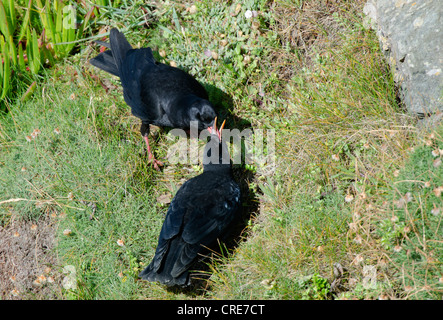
x,y
213,130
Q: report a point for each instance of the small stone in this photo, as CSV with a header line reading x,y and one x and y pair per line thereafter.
x,y
237,10
399,3
357,260
193,9
435,211
437,191
418,22
434,72
349,198
164,198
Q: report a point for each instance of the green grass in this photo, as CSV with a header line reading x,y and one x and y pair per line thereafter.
x,y
413,234
343,160
86,161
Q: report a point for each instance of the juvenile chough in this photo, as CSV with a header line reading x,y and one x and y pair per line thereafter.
x,y
157,93
202,211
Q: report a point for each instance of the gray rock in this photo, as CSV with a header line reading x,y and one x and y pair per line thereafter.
x,y
411,36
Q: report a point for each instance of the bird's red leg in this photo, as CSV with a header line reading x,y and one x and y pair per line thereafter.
x,y
155,162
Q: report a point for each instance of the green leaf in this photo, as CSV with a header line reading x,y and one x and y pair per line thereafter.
x,y
4,25
36,52
29,92
176,21
47,19
42,13
21,58
166,30
25,22
11,15
33,52
85,22
6,71
12,51
58,18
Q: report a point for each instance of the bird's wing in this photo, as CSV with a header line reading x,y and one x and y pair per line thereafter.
x,y
137,66
171,228
206,219
198,218
179,80
212,215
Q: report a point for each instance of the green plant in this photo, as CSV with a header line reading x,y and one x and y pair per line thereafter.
x,y
59,19
413,233
29,47
315,287
5,69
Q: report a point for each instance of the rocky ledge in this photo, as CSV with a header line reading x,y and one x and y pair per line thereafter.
x,y
411,36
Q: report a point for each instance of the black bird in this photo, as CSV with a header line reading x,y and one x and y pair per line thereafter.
x,y
203,210
157,93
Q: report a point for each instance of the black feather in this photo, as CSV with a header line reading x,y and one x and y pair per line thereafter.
x,y
202,211
157,93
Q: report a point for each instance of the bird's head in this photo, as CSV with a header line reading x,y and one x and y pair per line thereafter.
x,y
216,155
203,112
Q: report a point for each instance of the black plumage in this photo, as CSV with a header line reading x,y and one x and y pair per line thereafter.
x,y
203,210
158,94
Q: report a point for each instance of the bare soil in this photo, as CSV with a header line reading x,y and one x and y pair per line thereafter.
x,y
28,263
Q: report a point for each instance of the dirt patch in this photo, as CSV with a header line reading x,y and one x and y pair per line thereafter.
x,y
28,263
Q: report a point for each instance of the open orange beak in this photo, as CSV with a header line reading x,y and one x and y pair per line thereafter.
x,y
213,130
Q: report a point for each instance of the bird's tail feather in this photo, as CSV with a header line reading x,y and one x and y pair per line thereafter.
x,y
164,277
111,60
165,270
119,46
106,62
102,43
